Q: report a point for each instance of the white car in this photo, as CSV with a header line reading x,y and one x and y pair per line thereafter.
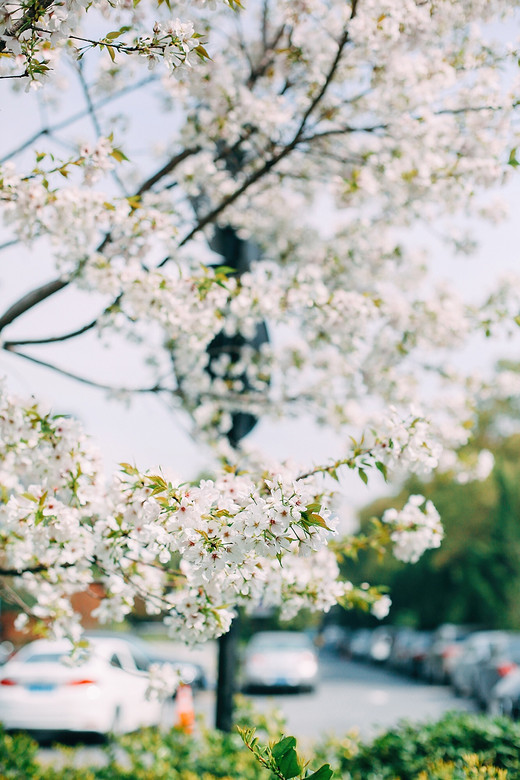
x,y
41,691
281,659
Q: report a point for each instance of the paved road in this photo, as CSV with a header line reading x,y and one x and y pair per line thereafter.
x,y
352,695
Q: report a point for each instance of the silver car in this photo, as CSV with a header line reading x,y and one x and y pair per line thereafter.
x,y
280,659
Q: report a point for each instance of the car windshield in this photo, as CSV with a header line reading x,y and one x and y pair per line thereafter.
x,y
285,642
44,658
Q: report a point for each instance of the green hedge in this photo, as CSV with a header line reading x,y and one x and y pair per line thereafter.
x,y
458,746
409,749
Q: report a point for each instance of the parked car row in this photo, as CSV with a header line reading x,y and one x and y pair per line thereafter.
x,y
483,665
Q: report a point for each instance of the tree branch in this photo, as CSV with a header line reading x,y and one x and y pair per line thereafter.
x,y
31,299
50,339
275,159
75,118
266,60
167,168
34,569
36,296
12,75
95,121
8,244
90,382
34,12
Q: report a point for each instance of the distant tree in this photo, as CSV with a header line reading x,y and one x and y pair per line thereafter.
x,y
475,576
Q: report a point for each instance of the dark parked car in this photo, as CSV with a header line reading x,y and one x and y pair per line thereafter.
x,y
360,644
505,696
504,659
409,651
419,649
476,649
445,649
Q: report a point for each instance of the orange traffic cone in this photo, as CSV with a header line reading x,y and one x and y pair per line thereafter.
x,y
185,709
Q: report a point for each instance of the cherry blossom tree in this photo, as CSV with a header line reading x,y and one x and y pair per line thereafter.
x,y
393,114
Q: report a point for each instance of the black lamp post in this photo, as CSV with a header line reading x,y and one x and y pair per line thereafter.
x,y
237,254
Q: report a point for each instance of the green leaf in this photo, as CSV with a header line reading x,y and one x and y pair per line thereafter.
x,y
286,758
283,746
128,468
513,162
134,201
112,53
315,519
201,51
324,773
382,468
111,36
117,154
316,507
363,475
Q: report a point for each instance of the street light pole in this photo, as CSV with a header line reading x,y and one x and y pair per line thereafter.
x,y
237,254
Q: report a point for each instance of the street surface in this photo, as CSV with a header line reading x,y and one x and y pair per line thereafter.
x,y
352,695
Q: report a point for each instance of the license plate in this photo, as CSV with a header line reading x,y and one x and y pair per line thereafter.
x,y
41,686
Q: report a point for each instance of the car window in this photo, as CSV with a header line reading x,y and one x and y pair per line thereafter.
x,y
44,658
140,660
286,642
116,661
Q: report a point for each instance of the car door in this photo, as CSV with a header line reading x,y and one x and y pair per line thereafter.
x,y
132,684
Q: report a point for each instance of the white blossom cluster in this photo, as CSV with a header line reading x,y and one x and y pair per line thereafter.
x,y
51,488
190,552
477,468
33,34
417,528
163,681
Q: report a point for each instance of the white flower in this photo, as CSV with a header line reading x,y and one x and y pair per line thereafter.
x,y
417,528
381,607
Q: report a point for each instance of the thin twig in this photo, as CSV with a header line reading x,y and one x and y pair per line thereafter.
x,y
34,569
75,118
7,244
14,75
95,121
84,380
50,339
